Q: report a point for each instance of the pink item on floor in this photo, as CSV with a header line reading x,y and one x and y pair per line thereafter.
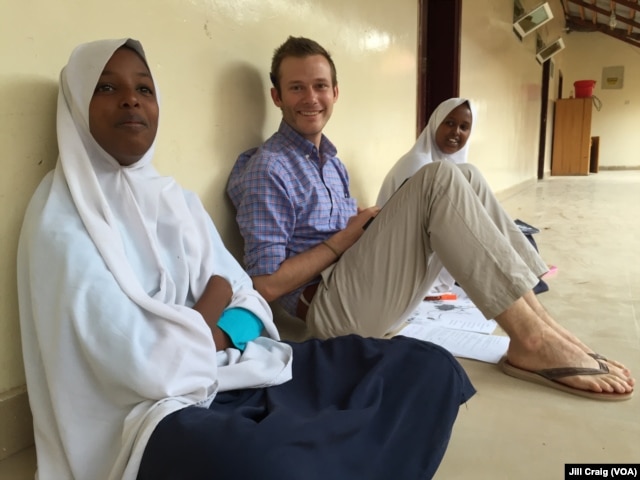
x,y
552,271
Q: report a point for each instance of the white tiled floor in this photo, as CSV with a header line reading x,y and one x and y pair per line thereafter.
x,y
590,229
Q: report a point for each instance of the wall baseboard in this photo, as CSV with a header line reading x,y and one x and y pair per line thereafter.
x,y
16,422
503,195
619,167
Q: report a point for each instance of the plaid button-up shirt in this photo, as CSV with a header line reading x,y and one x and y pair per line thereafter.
x,y
289,197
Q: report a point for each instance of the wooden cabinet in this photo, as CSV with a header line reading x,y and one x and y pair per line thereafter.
x,y
572,136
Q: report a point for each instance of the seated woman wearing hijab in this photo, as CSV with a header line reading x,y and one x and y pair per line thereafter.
x,y
147,351
445,138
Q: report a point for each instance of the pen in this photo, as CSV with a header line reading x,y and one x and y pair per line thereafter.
x,y
442,296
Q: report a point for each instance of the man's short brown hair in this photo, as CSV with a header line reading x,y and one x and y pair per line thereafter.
x,y
298,47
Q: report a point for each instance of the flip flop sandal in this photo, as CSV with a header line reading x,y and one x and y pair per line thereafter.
x,y
548,377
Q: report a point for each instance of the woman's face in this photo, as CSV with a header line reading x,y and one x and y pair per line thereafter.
x,y
123,113
452,134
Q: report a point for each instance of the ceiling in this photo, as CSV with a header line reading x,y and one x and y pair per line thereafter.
x,y
619,19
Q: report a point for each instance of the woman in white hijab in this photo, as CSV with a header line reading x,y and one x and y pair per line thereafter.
x,y
445,138
147,351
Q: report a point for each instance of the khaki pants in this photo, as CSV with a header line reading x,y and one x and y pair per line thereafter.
x,y
444,208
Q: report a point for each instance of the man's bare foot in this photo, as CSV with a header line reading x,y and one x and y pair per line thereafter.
x,y
537,307
551,350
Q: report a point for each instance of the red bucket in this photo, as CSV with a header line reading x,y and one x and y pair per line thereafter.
x,y
584,88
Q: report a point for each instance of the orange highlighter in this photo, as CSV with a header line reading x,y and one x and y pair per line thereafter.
x,y
442,296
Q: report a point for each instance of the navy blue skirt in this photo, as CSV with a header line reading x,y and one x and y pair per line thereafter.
x,y
355,409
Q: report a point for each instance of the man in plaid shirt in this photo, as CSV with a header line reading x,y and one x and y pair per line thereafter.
x,y
308,245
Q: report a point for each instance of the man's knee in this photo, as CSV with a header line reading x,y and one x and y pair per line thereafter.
x,y
469,171
435,173
437,169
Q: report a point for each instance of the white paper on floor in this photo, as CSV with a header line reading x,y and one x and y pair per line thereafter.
x,y
459,327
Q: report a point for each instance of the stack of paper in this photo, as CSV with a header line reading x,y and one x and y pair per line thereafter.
x,y
458,326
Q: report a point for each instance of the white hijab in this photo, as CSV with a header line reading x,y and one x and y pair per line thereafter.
x,y
110,261
425,150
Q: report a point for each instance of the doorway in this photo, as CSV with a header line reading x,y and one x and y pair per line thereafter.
x,y
438,55
544,114
439,45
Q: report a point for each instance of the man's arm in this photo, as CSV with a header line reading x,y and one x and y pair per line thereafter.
x,y
215,298
304,267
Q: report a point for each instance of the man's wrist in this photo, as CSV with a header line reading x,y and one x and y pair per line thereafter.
x,y
335,251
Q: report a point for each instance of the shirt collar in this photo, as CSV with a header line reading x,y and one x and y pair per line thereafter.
x,y
306,146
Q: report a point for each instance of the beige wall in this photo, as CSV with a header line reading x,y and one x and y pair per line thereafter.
x,y
617,121
211,59
501,74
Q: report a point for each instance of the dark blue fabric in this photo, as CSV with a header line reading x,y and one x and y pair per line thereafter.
x,y
528,231
356,408
542,286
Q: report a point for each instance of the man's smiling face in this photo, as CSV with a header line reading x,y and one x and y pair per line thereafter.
x,y
307,95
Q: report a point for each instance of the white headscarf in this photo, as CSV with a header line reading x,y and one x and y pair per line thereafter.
x,y
425,150
110,261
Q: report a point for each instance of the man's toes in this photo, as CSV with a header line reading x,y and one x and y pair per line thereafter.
x,y
614,384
